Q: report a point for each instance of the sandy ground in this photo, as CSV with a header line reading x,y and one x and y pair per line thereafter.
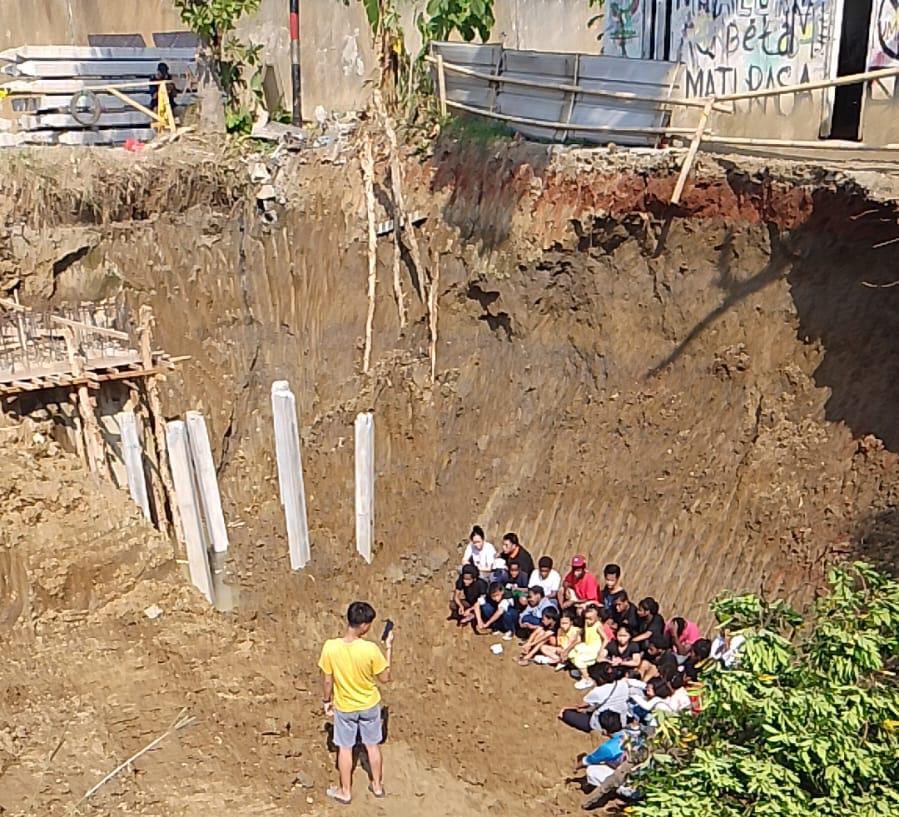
x,y
706,396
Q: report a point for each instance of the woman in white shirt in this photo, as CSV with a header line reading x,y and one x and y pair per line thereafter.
x,y
479,552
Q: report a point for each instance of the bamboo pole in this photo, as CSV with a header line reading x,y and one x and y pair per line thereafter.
x,y
441,85
816,85
691,153
399,218
433,295
159,456
368,178
577,89
549,123
799,143
136,105
93,439
399,223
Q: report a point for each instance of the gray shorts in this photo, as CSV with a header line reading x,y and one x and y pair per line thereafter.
x,y
365,724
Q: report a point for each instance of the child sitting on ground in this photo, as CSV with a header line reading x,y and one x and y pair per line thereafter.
x,y
544,635
496,613
568,637
532,613
466,595
658,659
517,584
682,633
594,641
611,694
658,696
622,652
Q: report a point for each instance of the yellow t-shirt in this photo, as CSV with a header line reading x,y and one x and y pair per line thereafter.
x,y
592,634
353,665
563,639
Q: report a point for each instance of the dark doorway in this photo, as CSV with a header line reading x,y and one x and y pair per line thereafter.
x,y
847,105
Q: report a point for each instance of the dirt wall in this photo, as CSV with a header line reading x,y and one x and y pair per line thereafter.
x,y
704,395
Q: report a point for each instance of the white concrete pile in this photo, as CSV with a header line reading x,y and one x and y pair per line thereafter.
x,y
41,86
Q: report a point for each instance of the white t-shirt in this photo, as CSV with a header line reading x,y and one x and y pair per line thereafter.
x,y
550,584
503,605
728,655
607,697
483,558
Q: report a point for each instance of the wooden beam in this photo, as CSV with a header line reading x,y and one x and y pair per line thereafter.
x,y
89,328
163,470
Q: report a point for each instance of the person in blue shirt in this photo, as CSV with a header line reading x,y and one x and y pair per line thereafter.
x,y
602,762
532,615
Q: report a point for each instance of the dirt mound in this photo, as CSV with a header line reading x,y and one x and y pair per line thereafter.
x,y
705,396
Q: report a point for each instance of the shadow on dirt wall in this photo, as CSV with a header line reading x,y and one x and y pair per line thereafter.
x,y
839,271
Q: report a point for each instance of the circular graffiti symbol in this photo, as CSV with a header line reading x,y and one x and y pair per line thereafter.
x,y
888,28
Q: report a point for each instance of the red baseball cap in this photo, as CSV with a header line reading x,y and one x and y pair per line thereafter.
x,y
578,561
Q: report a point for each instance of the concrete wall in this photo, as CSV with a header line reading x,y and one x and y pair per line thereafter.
x,y
880,111
68,22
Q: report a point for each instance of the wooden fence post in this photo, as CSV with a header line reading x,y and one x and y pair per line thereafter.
x,y
162,485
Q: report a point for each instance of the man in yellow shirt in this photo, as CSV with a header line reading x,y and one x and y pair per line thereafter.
x,y
350,667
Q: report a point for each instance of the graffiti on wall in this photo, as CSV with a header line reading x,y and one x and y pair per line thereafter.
x,y
883,43
623,29
731,46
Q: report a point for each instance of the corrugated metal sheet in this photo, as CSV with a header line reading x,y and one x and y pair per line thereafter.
x,y
647,78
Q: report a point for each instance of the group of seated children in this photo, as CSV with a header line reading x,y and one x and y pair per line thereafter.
x,y
634,663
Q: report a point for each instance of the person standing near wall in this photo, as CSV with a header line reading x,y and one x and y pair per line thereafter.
x,y
351,668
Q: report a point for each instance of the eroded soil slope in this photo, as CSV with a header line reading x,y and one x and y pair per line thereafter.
x,y
706,396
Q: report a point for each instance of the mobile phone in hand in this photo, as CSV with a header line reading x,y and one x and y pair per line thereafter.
x,y
388,627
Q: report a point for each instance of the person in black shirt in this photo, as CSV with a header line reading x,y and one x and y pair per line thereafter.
x,y
469,589
625,614
649,622
696,662
514,552
622,652
658,659
612,588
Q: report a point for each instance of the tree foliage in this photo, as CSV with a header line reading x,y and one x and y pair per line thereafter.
x,y
235,64
467,18
807,724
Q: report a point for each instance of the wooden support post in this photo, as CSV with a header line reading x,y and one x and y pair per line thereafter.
x,y
441,85
400,221
365,484
368,179
132,456
290,473
692,151
93,439
207,481
162,484
432,313
189,506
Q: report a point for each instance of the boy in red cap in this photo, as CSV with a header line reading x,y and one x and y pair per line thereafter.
x,y
579,587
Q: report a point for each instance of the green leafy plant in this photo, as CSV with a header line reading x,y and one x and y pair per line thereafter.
x,y
236,65
467,18
806,724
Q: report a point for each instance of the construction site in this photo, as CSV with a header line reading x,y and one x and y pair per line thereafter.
x,y
678,352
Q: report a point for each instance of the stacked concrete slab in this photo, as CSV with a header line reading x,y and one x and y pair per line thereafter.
x,y
51,76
